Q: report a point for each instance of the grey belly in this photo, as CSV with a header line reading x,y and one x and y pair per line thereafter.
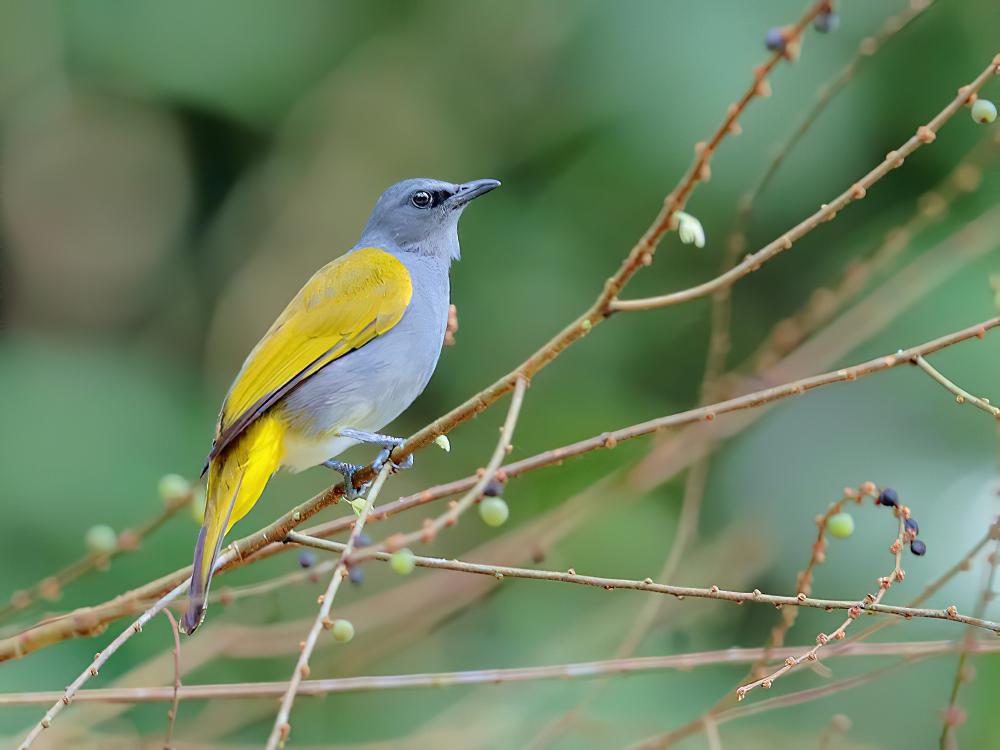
x,y
368,388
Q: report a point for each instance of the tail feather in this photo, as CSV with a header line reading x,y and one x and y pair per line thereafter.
x,y
236,480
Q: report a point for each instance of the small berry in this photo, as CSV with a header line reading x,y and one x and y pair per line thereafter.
x,y
198,504
889,497
984,111
356,576
343,630
363,540
306,559
826,23
402,561
101,539
775,39
911,525
494,488
840,525
917,547
173,488
494,511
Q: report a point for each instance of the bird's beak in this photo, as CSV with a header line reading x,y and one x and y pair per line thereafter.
x,y
469,190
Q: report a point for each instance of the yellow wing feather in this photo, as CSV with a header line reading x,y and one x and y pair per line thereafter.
x,y
343,306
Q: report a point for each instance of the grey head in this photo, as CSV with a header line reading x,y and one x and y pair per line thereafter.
x,y
421,215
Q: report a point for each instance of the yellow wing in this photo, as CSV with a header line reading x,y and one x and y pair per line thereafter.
x,y
345,305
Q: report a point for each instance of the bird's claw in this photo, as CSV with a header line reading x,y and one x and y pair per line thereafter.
x,y
383,456
351,493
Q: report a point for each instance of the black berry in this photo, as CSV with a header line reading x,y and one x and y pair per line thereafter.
x,y
889,497
306,559
826,22
493,488
356,576
363,540
775,39
917,547
911,525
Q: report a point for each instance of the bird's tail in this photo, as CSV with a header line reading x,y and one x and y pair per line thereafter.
x,y
236,479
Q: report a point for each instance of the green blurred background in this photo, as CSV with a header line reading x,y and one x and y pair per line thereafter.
x,y
171,173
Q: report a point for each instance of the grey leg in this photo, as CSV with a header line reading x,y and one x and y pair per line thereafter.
x,y
388,443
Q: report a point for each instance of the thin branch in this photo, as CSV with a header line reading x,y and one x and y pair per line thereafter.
x,y
168,741
91,620
961,395
714,592
870,602
577,670
449,518
640,255
952,714
99,660
128,540
925,134
322,622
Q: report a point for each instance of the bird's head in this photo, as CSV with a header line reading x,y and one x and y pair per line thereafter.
x,y
421,215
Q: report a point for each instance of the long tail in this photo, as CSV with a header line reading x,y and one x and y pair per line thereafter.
x,y
236,479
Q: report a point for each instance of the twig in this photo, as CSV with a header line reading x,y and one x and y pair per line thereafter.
x,y
961,395
953,716
128,541
726,702
99,660
449,518
281,723
90,620
640,255
577,670
168,741
610,584
894,159
853,613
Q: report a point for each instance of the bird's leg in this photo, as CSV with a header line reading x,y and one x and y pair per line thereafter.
x,y
348,471
388,443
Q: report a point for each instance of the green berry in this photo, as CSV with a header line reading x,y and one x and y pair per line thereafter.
x,y
402,561
101,539
840,525
493,511
173,488
343,630
198,504
984,111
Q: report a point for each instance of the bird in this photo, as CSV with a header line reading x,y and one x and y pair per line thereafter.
x,y
350,353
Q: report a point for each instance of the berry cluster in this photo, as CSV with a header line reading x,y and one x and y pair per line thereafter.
x,y
890,498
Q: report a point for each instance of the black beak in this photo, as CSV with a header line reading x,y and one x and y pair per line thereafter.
x,y
470,190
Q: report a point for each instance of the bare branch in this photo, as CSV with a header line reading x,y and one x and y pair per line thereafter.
x,y
961,396
281,722
925,134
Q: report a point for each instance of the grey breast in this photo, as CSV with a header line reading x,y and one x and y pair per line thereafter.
x,y
371,386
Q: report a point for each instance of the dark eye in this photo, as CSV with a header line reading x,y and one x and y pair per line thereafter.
x,y
421,199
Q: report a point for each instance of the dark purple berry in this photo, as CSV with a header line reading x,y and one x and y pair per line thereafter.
x,y
911,525
827,23
775,39
494,488
356,576
889,497
917,547
363,540
306,559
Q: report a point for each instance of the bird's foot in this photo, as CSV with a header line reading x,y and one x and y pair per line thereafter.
x,y
351,493
388,443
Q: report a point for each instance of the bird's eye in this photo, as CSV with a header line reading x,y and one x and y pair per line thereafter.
x,y
421,199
